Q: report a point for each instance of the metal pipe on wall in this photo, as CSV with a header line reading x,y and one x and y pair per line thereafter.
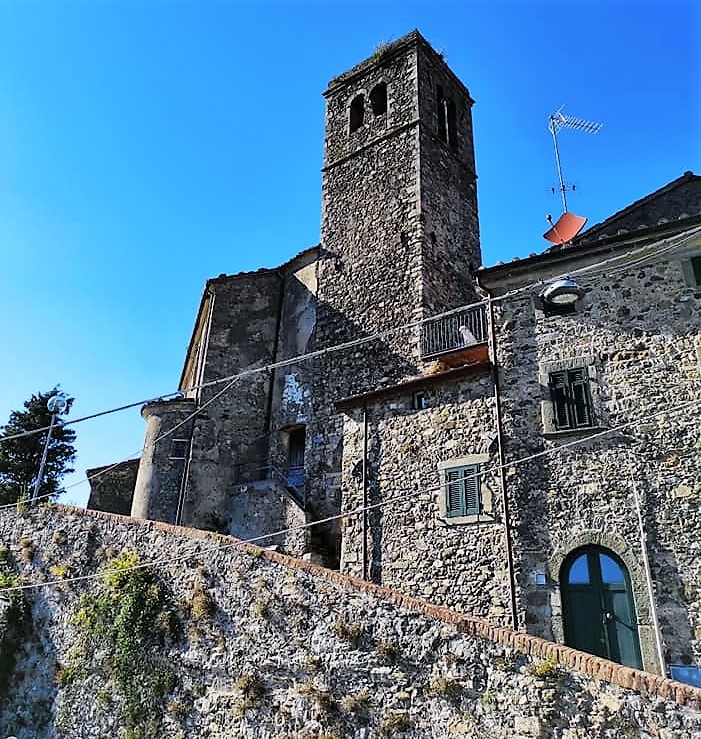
x,y
648,576
502,461
199,380
365,491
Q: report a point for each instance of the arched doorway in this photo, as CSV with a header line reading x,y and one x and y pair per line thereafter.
x,y
597,604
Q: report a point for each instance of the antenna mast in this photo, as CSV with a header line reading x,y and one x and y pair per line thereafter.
x,y
557,121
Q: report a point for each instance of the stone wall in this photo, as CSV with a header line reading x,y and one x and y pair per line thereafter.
x,y
167,445
636,331
291,401
411,545
230,434
268,646
448,205
399,236
265,506
112,487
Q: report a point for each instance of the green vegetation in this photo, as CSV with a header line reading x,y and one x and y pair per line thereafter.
x,y
14,618
252,692
348,632
357,703
545,670
387,651
323,699
448,688
129,620
395,722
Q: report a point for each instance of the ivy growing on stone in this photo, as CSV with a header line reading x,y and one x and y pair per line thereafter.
x,y
129,621
14,619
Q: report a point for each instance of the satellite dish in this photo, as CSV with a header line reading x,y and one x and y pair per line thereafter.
x,y
567,227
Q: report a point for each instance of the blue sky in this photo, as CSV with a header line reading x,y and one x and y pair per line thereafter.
x,y
147,146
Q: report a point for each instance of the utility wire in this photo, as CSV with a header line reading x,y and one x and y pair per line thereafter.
x,y
645,253
162,436
639,255
198,549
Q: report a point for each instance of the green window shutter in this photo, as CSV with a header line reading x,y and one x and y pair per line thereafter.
x,y
571,399
462,491
454,492
559,396
581,406
472,490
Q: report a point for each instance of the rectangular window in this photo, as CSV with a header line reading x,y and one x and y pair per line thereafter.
x,y
462,490
569,390
178,448
419,401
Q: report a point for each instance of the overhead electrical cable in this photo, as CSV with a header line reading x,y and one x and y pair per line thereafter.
x,y
198,549
644,252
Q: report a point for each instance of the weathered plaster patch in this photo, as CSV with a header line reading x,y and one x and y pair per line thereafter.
x,y
294,392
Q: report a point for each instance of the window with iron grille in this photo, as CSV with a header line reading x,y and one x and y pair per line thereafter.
x,y
462,490
571,399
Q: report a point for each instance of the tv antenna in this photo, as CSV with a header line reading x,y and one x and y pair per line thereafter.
x,y
569,224
557,121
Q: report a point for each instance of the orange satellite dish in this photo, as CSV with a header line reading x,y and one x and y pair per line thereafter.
x,y
567,227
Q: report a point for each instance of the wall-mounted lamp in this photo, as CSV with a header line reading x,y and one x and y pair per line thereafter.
x,y
562,293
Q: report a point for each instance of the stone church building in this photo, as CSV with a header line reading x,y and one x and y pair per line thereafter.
x,y
520,442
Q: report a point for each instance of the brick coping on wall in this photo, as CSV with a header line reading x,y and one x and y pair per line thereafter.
x,y
645,683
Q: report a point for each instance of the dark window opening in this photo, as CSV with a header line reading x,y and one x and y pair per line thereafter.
x,y
419,400
178,448
462,491
442,128
378,99
696,267
357,112
572,407
452,124
447,119
294,474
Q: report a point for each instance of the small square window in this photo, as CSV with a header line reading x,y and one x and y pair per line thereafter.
x,y
178,448
462,490
571,399
419,400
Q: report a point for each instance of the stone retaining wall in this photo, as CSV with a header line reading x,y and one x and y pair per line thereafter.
x,y
288,649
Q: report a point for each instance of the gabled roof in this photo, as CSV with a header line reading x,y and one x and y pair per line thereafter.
x,y
674,202
673,210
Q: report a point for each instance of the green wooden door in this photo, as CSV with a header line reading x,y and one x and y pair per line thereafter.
x,y
598,610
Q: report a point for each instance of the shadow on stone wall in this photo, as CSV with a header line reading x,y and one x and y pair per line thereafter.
x,y
371,363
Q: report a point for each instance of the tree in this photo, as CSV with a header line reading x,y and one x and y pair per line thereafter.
x,y
20,458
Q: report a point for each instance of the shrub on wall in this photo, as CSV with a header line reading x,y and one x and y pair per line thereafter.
x,y
14,619
129,621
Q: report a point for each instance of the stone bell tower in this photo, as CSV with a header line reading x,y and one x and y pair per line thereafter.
x,y
399,232
400,235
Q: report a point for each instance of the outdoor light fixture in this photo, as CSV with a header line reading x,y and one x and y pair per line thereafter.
x,y
58,404
562,292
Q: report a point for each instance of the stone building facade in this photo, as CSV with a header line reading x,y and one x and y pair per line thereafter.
x,y
459,433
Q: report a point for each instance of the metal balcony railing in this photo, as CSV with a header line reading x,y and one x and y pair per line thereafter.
x,y
454,332
291,478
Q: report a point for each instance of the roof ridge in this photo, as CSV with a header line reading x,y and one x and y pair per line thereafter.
x,y
598,227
